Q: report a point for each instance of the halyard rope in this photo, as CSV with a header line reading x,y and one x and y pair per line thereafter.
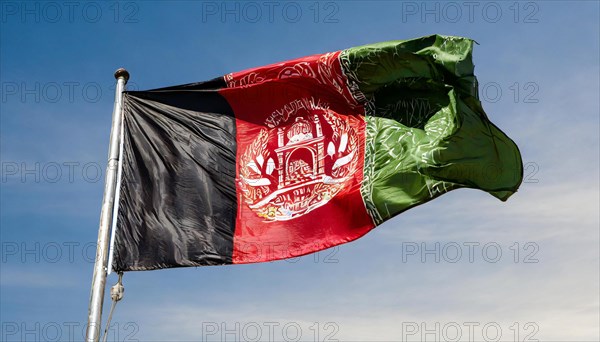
x,y
116,294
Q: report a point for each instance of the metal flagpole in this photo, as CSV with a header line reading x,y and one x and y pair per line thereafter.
x,y
100,267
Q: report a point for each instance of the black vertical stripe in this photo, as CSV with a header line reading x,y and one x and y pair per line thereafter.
x,y
177,202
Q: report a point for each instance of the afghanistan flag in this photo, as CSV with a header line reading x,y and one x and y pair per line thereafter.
x,y
295,157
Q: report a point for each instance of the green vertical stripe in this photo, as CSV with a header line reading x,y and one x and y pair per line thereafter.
x,y
427,133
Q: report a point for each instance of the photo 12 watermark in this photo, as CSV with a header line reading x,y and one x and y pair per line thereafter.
x,y
52,12
53,252
516,92
64,331
470,251
269,331
289,252
252,12
50,252
63,91
469,331
491,12
51,172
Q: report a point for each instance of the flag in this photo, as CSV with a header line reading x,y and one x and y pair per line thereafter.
x,y
295,157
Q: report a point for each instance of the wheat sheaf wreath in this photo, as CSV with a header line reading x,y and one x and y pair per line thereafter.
x,y
257,160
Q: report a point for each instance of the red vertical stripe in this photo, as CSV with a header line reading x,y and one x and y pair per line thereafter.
x,y
300,155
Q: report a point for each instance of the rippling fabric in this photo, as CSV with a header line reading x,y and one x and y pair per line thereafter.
x,y
427,132
178,201
291,158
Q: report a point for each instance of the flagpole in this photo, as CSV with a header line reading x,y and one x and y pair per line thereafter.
x,y
100,267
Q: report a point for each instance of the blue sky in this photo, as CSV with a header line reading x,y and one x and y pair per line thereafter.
x,y
537,63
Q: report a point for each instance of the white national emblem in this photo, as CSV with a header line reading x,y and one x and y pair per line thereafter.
x,y
300,164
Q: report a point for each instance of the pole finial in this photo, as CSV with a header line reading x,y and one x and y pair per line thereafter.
x,y
121,72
